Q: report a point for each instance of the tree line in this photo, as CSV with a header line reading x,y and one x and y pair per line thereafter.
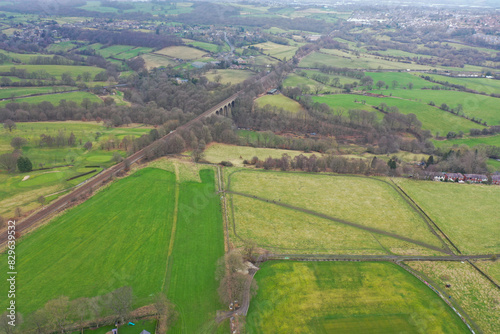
x,y
64,315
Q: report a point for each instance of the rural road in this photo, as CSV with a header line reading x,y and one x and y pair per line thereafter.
x,y
347,257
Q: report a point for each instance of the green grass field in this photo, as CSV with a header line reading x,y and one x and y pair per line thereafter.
x,y
61,47
494,164
350,61
181,52
474,105
402,78
346,297
285,231
473,292
55,70
432,118
491,268
469,141
178,8
277,50
6,93
485,85
77,97
206,46
177,248
55,259
24,194
23,57
114,50
229,76
279,101
466,213
133,53
365,201
199,243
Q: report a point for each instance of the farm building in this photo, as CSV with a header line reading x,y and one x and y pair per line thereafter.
x,y
272,91
456,177
476,178
495,179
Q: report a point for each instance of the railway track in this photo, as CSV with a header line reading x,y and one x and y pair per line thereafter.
x,y
24,225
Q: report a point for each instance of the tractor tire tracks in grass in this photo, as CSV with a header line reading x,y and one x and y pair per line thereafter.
x,y
174,226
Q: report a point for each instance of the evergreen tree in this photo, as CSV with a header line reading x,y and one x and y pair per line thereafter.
x,y
24,165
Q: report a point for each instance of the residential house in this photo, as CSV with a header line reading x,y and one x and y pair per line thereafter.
x,y
454,177
476,178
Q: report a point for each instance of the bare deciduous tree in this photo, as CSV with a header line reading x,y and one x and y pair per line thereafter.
x,y
40,322
165,309
120,303
9,124
81,309
60,312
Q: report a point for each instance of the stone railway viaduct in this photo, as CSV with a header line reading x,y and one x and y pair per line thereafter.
x,y
223,109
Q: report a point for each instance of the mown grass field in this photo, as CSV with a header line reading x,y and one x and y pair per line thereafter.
x,y
468,214
432,118
285,231
137,239
279,101
346,297
229,76
216,153
199,243
181,52
473,292
55,99
365,201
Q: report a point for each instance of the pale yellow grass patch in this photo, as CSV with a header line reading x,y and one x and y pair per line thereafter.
x,y
236,154
474,293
